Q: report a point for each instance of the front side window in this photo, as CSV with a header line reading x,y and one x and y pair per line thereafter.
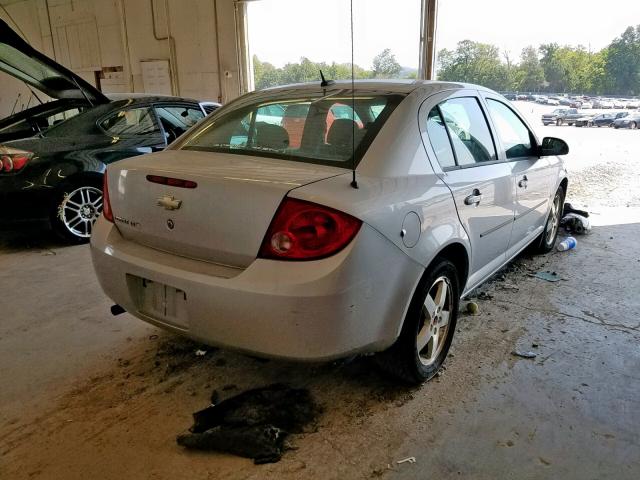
x,y
514,134
130,123
177,120
316,127
439,139
468,130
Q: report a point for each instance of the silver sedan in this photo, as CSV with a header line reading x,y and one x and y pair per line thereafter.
x,y
315,222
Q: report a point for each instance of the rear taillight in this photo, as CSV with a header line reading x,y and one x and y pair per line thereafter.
x,y
303,230
12,160
106,203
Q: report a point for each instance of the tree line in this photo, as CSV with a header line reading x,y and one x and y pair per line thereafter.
x,y
267,75
614,70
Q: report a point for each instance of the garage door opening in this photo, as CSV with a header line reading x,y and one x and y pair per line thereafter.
x,y
290,41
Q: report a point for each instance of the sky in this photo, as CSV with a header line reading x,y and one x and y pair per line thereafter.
x,y
282,31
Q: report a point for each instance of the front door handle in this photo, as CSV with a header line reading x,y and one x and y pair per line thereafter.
x,y
474,198
524,181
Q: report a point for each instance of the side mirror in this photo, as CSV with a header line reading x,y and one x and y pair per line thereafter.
x,y
553,146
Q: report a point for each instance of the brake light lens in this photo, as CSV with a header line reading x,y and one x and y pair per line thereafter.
x,y
172,182
106,203
304,230
13,160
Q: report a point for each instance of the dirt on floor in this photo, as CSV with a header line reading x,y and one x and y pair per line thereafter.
x,y
93,396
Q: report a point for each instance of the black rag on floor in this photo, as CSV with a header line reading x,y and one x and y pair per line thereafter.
x,y
252,424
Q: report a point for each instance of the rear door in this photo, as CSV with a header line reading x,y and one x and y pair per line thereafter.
x,y
134,131
531,176
481,184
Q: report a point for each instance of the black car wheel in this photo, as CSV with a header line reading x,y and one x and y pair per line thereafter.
x,y
428,328
633,125
77,208
559,122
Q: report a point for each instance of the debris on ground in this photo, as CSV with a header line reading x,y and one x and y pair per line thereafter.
x,y
485,296
568,243
548,276
472,308
200,353
252,424
568,208
518,353
407,460
574,223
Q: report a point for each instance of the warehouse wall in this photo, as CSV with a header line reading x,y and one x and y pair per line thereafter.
x,y
184,47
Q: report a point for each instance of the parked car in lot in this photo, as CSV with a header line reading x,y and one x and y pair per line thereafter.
x,y
633,104
584,121
586,105
552,101
603,119
233,237
561,116
631,120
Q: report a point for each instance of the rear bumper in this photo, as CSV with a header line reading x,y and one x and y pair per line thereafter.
x,y
353,302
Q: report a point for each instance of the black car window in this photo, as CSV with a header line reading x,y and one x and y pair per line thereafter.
x,y
469,131
437,133
130,123
514,134
178,119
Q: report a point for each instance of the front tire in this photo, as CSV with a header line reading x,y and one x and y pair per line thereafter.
x,y
559,122
77,207
547,239
428,328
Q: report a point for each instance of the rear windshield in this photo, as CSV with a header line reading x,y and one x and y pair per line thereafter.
x,y
313,128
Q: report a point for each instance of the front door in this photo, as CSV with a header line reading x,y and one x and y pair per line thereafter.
x,y
532,176
482,186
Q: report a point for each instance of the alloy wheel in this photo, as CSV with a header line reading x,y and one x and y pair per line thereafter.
x,y
554,220
80,209
434,324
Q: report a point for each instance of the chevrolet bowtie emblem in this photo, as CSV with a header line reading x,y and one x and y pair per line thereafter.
x,y
169,202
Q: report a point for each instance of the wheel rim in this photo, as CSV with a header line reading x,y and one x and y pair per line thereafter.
x,y
554,220
80,209
434,324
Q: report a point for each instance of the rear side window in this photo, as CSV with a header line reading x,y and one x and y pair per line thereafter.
x,y
468,130
514,134
131,122
439,139
315,127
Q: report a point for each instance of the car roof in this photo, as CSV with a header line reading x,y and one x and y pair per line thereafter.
x,y
146,97
392,86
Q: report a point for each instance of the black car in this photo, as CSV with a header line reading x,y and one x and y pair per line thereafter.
x,y
606,119
58,173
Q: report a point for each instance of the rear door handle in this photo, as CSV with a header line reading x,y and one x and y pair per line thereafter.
x,y
523,182
474,198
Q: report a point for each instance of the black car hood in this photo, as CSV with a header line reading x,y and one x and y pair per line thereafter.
x,y
22,61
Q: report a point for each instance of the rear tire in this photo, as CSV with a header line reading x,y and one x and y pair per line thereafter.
x,y
78,205
559,122
547,239
428,328
633,125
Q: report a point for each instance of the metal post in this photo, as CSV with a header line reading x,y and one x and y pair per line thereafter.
x,y
429,14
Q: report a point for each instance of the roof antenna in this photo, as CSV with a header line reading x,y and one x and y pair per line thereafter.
x,y
325,82
354,182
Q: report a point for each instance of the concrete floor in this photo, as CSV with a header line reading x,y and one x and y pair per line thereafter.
x,y
85,394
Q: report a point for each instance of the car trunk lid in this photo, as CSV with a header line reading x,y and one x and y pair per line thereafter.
x,y
22,61
223,219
